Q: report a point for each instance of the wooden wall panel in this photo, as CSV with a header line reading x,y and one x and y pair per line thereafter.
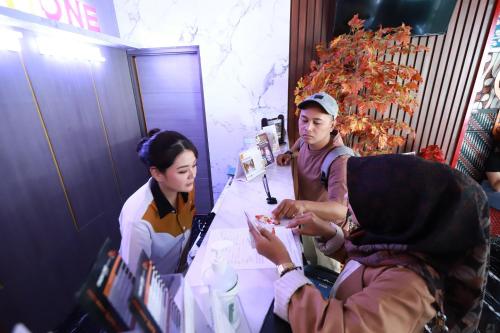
x,y
32,205
113,90
66,96
67,132
450,82
309,22
447,68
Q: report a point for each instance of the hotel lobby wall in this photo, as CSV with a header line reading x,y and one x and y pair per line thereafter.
x,y
244,49
67,141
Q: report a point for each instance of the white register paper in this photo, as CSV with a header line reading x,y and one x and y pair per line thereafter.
x,y
241,255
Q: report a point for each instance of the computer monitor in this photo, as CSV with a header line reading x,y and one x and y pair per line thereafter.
x,y
426,17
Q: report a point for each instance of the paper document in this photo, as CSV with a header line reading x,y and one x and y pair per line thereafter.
x,y
241,255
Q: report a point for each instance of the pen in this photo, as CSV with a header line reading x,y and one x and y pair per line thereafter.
x,y
266,185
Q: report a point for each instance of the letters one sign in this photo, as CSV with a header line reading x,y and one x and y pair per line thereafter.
x,y
74,12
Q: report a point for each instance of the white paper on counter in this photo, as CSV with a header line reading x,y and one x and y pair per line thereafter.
x,y
241,255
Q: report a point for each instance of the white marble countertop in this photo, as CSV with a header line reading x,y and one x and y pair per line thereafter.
x,y
256,286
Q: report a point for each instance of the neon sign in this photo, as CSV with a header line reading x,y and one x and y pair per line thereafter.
x,y
75,12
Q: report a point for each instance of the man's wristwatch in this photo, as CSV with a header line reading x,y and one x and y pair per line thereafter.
x,y
285,268
289,152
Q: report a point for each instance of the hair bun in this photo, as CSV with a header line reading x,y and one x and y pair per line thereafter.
x,y
148,136
153,132
140,144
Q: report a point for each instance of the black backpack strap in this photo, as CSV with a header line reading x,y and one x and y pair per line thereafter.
x,y
301,143
329,158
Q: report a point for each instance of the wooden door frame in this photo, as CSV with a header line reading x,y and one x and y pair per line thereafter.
x,y
195,49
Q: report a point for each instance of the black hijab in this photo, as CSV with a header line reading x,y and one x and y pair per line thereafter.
x,y
429,218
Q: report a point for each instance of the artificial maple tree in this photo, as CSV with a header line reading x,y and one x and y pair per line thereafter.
x,y
355,70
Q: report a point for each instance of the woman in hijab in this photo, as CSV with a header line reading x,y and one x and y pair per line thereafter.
x,y
416,254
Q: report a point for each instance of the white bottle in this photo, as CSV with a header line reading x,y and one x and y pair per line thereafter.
x,y
223,282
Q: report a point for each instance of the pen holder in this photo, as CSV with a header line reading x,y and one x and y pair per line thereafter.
x,y
271,200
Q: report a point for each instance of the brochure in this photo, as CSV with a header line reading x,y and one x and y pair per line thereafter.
x,y
278,122
272,136
106,290
250,164
265,148
122,301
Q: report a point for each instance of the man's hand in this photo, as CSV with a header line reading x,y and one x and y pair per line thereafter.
x,y
288,208
270,246
311,225
283,159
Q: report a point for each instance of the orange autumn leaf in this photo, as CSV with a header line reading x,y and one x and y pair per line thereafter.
x,y
363,107
395,141
432,153
412,85
356,23
382,106
416,77
354,85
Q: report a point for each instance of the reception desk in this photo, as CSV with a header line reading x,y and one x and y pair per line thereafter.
x,y
256,285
